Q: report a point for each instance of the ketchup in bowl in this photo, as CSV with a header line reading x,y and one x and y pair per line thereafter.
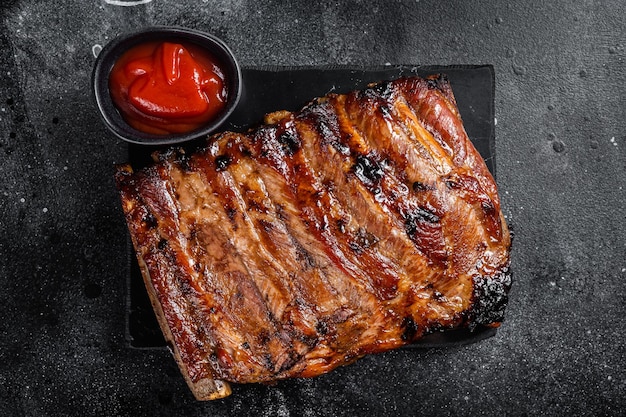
x,y
168,87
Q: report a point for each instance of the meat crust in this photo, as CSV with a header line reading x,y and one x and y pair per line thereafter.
x,y
357,225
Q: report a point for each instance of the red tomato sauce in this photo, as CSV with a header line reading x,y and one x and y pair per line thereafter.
x,y
163,87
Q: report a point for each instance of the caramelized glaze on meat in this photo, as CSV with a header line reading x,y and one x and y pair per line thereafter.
x,y
357,225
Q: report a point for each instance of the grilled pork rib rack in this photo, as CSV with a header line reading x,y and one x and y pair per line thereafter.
x,y
357,225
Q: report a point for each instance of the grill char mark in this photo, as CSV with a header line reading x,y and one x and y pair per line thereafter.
x,y
320,129
310,296
165,279
298,216
267,280
392,189
224,274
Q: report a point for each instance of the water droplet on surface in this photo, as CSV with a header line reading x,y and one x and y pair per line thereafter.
x,y
95,50
558,146
519,69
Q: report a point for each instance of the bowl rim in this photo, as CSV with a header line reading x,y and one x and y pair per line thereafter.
x,y
109,54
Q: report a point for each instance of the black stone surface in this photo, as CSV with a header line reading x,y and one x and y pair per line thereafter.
x,y
560,141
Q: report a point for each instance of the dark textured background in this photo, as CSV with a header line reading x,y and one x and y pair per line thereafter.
x,y
560,143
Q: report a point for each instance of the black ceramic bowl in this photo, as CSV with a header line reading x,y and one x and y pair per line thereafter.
x,y
114,50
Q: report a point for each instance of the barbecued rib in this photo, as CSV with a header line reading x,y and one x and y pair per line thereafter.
x,y
356,225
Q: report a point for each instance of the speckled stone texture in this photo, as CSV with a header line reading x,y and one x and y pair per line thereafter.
x,y
560,144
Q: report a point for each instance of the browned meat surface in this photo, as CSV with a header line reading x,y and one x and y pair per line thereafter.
x,y
357,225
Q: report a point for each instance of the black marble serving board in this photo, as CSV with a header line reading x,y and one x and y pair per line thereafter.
x,y
279,88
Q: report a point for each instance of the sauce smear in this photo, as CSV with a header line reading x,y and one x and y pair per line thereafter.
x,y
165,87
